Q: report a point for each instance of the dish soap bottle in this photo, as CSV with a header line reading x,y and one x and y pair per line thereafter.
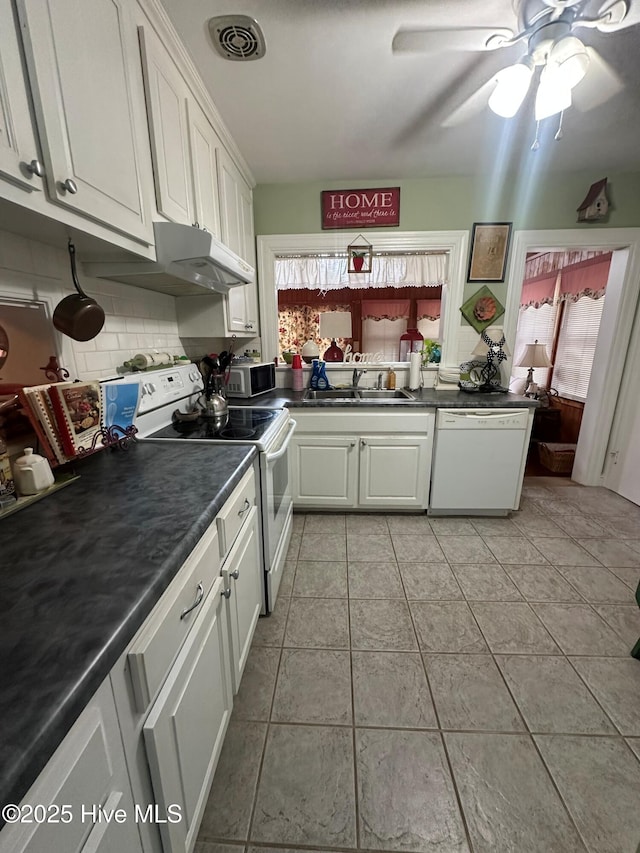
x,y
391,379
319,375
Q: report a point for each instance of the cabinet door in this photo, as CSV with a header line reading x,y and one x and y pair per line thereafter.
x,y
204,141
167,94
18,149
394,471
241,573
82,61
236,225
324,471
88,772
185,729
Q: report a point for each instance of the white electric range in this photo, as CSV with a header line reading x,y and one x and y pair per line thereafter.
x,y
181,388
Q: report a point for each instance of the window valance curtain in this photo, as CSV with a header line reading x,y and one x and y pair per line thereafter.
x,y
429,309
385,309
331,273
588,278
539,290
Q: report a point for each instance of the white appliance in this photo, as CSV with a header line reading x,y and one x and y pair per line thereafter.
x,y
478,461
250,379
185,255
270,430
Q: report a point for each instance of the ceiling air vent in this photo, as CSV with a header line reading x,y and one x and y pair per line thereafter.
x,y
237,37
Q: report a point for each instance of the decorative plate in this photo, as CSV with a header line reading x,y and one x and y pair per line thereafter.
x,y
470,374
482,309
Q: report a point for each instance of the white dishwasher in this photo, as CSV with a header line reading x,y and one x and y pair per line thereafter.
x,y
478,461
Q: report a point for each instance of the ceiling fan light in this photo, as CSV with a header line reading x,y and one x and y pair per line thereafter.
x,y
512,85
569,59
552,96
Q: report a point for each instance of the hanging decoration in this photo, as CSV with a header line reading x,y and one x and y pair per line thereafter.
x,y
482,309
360,255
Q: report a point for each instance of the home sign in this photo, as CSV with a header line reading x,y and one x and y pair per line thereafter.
x,y
372,208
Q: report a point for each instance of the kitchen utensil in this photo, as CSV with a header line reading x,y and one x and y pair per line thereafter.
x,y
32,473
78,316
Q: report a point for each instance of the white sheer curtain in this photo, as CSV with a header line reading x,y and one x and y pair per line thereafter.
x,y
330,273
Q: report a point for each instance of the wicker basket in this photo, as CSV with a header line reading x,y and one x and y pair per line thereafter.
x,y
557,457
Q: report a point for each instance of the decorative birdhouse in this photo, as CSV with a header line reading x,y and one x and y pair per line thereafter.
x,y
596,203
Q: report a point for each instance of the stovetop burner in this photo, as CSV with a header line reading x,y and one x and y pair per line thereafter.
x,y
244,424
236,432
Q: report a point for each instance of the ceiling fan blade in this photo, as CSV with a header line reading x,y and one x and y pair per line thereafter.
x,y
599,84
472,106
613,14
444,40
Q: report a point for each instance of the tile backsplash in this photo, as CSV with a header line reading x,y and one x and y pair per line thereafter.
x,y
136,320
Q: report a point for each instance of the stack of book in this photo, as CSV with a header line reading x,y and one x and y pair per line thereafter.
x,y
68,417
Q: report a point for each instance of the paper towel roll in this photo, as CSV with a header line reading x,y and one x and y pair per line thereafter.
x,y
415,363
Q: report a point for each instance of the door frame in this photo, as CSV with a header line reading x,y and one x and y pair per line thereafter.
x,y
623,290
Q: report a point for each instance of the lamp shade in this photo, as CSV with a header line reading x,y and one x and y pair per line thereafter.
x,y
534,355
335,324
494,334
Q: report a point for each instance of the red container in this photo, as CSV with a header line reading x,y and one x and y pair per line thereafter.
x,y
411,341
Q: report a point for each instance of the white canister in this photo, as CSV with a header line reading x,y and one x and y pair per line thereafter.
x,y
32,473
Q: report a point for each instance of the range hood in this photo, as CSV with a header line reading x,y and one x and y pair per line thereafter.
x,y
189,261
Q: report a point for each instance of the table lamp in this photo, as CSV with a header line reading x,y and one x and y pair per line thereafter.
x,y
493,347
335,324
534,355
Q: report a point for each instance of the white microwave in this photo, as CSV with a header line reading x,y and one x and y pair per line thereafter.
x,y
250,379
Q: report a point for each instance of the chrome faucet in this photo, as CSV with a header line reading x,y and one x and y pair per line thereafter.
x,y
379,382
356,376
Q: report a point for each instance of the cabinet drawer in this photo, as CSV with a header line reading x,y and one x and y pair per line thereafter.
x,y
159,640
235,511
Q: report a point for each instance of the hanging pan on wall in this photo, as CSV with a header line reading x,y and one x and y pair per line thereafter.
x,y
78,316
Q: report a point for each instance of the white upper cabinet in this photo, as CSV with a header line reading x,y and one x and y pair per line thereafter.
x,y
167,94
236,223
19,161
204,143
83,71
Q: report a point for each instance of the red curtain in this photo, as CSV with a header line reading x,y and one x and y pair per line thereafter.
x,y
588,278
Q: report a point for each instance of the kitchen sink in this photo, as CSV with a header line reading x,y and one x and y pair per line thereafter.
x,y
360,395
331,394
384,394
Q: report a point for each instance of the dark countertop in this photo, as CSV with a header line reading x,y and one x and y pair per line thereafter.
x,y
81,570
424,398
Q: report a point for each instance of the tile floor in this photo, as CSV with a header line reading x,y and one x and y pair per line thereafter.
x,y
444,684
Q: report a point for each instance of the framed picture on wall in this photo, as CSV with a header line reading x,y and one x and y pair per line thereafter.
x,y
489,249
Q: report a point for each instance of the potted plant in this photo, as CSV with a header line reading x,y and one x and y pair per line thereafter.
x,y
431,352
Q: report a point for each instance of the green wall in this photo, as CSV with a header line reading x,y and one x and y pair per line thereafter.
x,y
530,201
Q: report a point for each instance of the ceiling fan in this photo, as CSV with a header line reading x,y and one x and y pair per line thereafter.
x,y
547,29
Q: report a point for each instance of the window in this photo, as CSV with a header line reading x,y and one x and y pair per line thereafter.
x,y
535,324
403,289
576,347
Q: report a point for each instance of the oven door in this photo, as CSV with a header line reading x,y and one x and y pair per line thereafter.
x,y
277,509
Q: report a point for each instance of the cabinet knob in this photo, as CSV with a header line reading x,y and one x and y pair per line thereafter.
x,y
235,574
226,593
352,444
363,443
35,167
69,186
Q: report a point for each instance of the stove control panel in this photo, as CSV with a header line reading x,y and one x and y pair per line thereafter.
x,y
162,387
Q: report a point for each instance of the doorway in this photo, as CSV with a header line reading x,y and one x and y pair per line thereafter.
x,y
623,287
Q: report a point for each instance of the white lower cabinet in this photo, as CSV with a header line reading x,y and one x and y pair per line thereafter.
x,y
148,742
84,791
362,460
185,729
243,591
